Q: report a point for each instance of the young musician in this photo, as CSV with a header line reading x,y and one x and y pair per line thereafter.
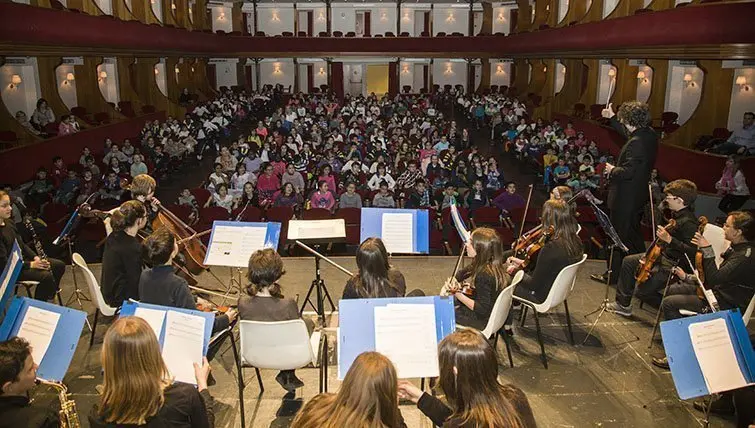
x,y
376,277
264,302
486,275
562,248
680,195
628,179
161,286
121,259
368,397
47,272
138,389
18,375
142,189
733,282
469,381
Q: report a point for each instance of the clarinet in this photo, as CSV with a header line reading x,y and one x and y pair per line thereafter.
x,y
35,239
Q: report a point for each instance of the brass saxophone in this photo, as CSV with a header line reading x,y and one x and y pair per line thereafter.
x,y
69,418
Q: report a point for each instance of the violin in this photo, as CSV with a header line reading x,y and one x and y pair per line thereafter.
x,y
531,244
652,255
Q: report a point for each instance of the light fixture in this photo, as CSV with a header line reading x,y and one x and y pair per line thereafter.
x,y
449,68
221,16
157,71
173,6
275,17
688,82
641,77
277,68
322,71
501,16
742,82
545,69
321,16
563,70
69,78
383,16
192,69
450,17
404,68
177,70
499,69
15,80
103,76
611,72
406,15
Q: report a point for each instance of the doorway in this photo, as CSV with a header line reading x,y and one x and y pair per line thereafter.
x,y
362,26
305,22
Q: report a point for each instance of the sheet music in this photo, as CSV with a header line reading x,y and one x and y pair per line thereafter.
x,y
154,317
232,245
406,335
14,259
459,223
316,229
38,328
715,355
397,232
182,347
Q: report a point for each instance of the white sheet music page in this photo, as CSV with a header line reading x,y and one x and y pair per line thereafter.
x,y
38,328
14,259
397,232
182,347
154,317
715,354
232,245
316,229
406,335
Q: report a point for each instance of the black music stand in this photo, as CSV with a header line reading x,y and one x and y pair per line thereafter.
x,y
66,238
614,244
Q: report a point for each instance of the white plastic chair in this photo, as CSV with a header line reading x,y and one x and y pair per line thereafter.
x,y
94,290
748,313
279,345
560,290
501,310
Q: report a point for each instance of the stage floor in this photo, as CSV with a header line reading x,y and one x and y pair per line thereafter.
x,y
609,381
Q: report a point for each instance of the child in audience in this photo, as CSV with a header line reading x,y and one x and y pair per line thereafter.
x,y
217,178
419,196
561,172
323,198
350,198
477,197
111,187
383,199
221,198
68,189
288,197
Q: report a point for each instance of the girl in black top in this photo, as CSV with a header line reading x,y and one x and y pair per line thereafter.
x,y
469,381
121,259
563,247
376,277
137,389
47,271
486,275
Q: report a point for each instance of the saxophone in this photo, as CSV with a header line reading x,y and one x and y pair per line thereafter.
x,y
69,418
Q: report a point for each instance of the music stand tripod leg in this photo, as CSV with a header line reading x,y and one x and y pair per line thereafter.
x,y
602,308
658,315
78,294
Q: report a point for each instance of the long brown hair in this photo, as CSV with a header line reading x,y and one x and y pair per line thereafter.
x,y
489,258
558,214
368,398
265,269
134,373
472,390
127,215
372,261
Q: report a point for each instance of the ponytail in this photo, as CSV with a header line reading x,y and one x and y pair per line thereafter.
x,y
127,215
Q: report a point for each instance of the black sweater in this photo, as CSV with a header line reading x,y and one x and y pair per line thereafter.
x,y
441,414
550,260
8,235
486,292
121,268
681,237
184,407
394,275
16,411
733,282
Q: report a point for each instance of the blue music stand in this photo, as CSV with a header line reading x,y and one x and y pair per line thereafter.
x,y
372,225
8,279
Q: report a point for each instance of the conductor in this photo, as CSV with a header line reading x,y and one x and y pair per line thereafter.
x,y
628,179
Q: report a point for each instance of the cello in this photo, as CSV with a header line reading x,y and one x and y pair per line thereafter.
x,y
191,249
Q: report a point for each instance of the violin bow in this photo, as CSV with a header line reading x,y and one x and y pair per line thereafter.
x,y
652,207
524,217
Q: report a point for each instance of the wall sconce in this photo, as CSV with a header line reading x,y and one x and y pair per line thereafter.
x,y
177,70
15,80
157,71
277,68
612,73
545,69
383,16
688,82
192,69
404,68
153,1
221,16
275,17
173,6
103,76
501,16
742,82
406,16
499,69
450,17
322,71
69,78
449,68
321,16
641,77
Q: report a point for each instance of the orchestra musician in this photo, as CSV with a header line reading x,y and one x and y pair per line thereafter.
x,y
733,282
47,271
562,247
486,275
679,199
142,189
121,258
376,277
628,179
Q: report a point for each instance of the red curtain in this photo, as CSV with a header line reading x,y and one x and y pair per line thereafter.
x,y
393,79
212,76
336,79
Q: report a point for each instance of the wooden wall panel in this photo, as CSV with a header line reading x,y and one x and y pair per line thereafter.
x,y
546,91
487,18
576,12
661,4
657,100
484,75
590,93
570,94
524,21
237,17
86,6
521,76
199,16
594,12
126,84
146,87
48,84
142,10
171,78
202,85
626,82
169,15
122,11
8,122
625,8
88,94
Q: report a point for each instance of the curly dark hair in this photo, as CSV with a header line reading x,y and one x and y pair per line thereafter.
x,y
13,355
635,114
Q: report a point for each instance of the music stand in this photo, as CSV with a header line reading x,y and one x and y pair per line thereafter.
x,y
614,243
66,237
318,232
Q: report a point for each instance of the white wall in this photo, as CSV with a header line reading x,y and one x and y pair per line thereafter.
x,y
643,87
221,18
606,83
105,5
343,17
449,19
160,77
502,19
319,17
109,85
66,89
500,72
24,96
275,20
275,72
157,9
558,83
320,78
447,72
681,98
406,76
563,8
383,19
355,79
226,73
741,100
609,6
